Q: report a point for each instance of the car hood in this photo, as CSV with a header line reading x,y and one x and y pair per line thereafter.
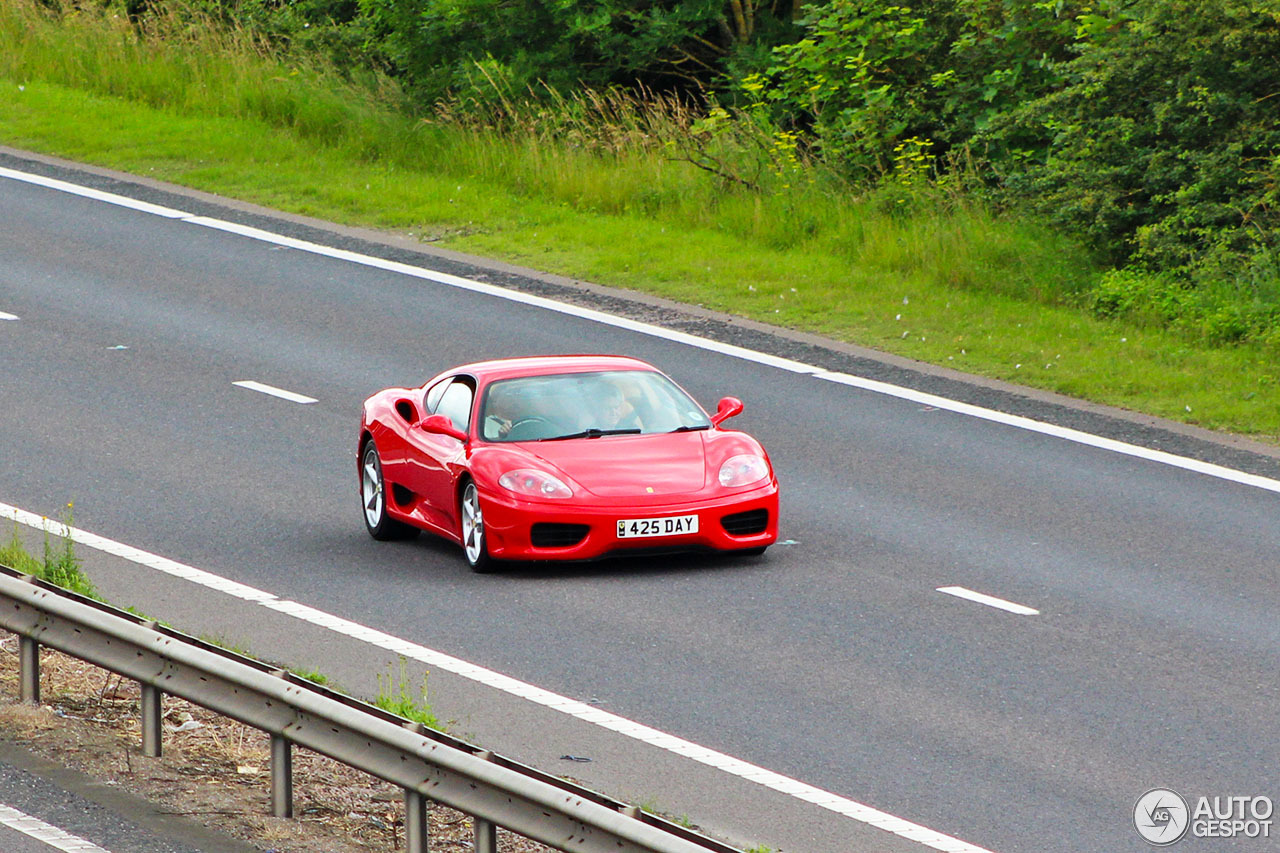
x,y
630,465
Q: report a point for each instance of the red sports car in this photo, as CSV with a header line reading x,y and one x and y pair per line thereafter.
x,y
562,458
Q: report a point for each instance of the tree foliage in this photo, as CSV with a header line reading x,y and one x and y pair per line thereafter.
x,y
1163,143
439,46
1162,149
868,75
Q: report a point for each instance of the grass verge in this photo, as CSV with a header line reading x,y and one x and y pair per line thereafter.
x,y
943,280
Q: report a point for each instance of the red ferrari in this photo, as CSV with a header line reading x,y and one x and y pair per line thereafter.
x,y
562,458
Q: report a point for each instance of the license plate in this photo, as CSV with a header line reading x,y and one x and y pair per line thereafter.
x,y
675,525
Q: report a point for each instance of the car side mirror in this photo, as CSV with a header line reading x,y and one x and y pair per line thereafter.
x,y
727,408
441,425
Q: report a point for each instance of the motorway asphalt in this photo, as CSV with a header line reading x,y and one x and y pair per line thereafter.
x,y
833,660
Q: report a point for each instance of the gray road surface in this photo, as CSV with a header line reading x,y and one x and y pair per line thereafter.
x,y
832,660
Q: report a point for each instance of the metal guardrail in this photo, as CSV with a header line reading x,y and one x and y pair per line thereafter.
x,y
428,765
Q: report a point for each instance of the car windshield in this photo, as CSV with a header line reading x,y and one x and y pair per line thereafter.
x,y
586,405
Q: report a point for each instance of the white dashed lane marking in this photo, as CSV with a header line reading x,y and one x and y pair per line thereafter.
x,y
275,392
989,600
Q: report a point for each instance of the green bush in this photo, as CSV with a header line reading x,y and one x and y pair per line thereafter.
x,y
1220,309
867,75
1136,294
661,44
1163,146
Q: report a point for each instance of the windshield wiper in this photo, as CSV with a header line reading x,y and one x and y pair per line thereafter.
x,y
691,428
594,433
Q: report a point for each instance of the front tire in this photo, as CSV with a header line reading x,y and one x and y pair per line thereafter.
x,y
471,520
373,495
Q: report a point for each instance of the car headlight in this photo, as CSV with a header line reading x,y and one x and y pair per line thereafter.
x,y
743,470
534,483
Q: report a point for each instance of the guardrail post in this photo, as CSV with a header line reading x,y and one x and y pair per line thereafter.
x,y
281,768
151,720
281,776
417,832
29,669
485,832
486,835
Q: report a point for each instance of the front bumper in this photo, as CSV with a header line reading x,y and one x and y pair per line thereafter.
x,y
542,530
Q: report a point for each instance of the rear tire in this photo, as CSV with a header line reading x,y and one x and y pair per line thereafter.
x,y
373,495
471,520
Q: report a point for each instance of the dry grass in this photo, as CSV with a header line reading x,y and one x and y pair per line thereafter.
x,y
213,770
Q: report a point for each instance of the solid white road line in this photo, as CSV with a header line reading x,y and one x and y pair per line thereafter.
x,y
496,680
275,392
96,195
989,600
1019,422
502,293
41,831
1076,436
4,316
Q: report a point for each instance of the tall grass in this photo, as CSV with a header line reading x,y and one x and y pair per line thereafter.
x,y
184,63
623,152
614,153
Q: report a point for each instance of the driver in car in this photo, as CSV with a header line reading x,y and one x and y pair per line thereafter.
x,y
611,409
500,412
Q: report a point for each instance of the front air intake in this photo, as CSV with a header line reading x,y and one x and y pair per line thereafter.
x,y
549,535
746,523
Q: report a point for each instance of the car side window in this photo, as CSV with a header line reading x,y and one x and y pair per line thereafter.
x,y
455,402
433,395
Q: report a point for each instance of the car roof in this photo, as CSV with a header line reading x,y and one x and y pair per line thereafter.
x,y
537,365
